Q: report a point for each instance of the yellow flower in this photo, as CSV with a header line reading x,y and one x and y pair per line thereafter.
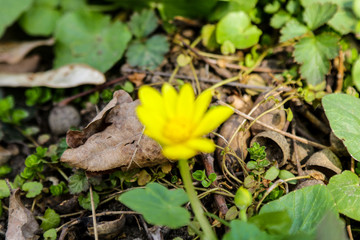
x,y
178,121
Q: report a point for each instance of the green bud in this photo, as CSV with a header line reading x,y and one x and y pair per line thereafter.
x,y
243,198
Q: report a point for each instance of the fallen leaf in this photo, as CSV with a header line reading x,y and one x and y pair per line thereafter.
x,y
137,78
65,77
114,139
14,52
4,155
28,64
21,224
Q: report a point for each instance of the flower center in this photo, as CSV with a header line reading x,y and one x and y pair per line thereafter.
x,y
177,130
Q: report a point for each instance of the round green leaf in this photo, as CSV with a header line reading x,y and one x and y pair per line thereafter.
x,y
33,189
90,38
355,72
158,205
272,173
4,189
284,174
50,220
237,28
345,190
50,234
343,113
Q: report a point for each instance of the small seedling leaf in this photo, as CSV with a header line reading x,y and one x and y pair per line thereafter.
x,y
50,234
78,183
32,188
158,205
317,14
85,202
50,220
4,189
292,29
144,23
272,173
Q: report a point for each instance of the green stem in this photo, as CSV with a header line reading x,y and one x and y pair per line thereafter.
x,y
195,202
243,216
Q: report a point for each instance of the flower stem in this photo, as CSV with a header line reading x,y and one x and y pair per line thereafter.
x,y
195,202
243,216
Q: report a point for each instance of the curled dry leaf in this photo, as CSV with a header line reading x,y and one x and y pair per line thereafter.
x,y
326,162
14,52
21,223
71,75
276,118
114,139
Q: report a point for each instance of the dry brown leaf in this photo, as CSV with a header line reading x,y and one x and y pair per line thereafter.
x,y
21,223
71,75
4,155
26,65
14,52
137,78
114,139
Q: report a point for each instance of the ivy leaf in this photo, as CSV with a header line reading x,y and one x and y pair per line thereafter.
x,y
85,202
50,220
158,205
90,38
242,35
345,190
343,112
318,14
32,188
314,53
11,12
144,23
149,54
292,29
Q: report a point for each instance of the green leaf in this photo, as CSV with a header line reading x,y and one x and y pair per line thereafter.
x,y
208,37
318,14
90,38
143,24
18,115
356,7
240,230
314,54
279,19
199,175
306,207
343,113
4,170
149,54
128,87
343,21
331,228
273,222
50,220
4,189
10,11
355,73
284,174
40,20
272,8
272,173
242,35
345,190
85,202
227,48
1,208
71,5
50,234
78,183
158,205
32,188
292,29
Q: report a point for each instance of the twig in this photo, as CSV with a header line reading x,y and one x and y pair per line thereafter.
x,y
340,75
93,213
348,229
95,89
136,149
299,139
208,161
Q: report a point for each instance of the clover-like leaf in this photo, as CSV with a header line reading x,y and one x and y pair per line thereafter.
x,y
314,53
292,29
91,38
306,207
11,12
143,23
242,34
50,219
315,15
343,113
32,188
345,189
158,205
149,54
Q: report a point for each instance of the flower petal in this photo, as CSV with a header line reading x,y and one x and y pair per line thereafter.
x,y
170,97
202,103
212,119
177,152
201,144
150,98
185,102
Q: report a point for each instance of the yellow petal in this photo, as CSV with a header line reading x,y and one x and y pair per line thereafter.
x,y
170,97
177,152
150,98
212,119
201,144
201,105
185,102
